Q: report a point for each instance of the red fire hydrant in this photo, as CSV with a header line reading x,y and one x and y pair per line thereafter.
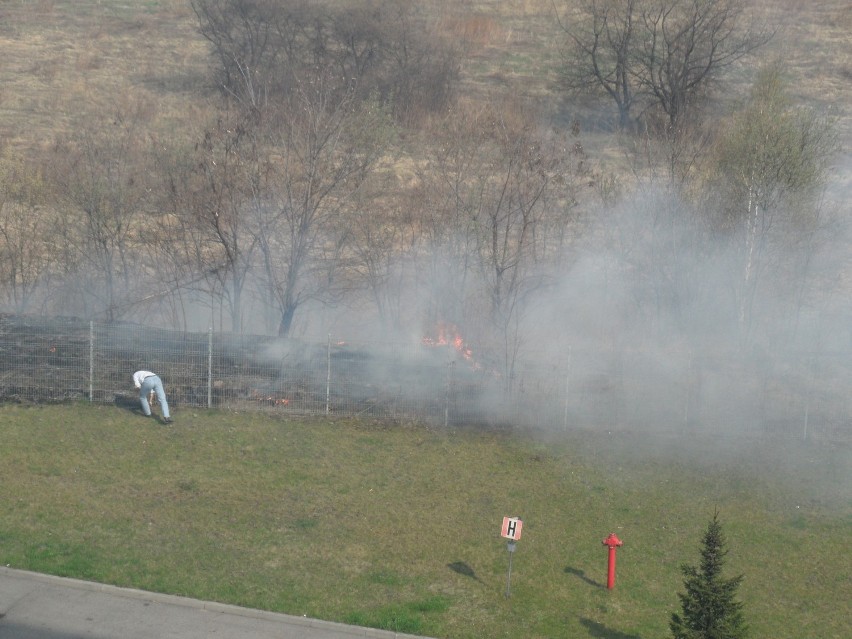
x,y
613,542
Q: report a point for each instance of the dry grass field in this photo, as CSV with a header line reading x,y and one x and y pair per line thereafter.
x,y
815,46
64,57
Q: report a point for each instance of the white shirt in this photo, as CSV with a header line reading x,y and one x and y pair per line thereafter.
x,y
139,377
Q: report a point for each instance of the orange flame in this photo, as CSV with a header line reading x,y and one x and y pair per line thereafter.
x,y
448,335
275,401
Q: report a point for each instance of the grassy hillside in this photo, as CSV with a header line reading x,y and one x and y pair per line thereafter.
x,y
398,526
63,56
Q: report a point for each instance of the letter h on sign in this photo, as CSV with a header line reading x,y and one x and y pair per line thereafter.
x,y
512,528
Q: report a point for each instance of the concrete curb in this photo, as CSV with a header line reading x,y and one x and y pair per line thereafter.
x,y
211,606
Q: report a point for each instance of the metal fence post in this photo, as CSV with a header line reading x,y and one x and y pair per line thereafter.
x,y
328,375
686,415
210,367
450,368
91,361
808,390
567,389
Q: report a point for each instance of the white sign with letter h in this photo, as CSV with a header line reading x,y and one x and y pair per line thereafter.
x,y
512,528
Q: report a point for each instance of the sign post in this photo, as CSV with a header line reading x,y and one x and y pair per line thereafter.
x,y
511,530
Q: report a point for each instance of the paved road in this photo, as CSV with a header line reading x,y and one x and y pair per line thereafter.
x,y
36,606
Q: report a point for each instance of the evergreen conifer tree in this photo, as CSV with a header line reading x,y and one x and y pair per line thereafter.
x,y
710,609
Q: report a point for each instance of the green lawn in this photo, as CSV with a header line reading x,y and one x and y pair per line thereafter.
x,y
398,526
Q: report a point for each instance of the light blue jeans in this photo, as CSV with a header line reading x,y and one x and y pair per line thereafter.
x,y
153,383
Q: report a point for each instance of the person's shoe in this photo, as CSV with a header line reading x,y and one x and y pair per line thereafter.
x,y
167,420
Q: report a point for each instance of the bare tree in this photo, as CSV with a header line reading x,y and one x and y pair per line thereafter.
x,y
447,190
259,45
502,184
385,243
770,168
656,53
223,197
687,44
324,146
376,50
601,54
181,244
660,251
27,233
420,66
101,182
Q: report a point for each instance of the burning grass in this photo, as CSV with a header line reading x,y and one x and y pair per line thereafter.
x,y
399,527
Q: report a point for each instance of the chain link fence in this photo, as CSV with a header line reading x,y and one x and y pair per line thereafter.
x,y
60,359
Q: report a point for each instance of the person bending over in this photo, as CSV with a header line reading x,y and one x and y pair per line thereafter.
x,y
148,383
